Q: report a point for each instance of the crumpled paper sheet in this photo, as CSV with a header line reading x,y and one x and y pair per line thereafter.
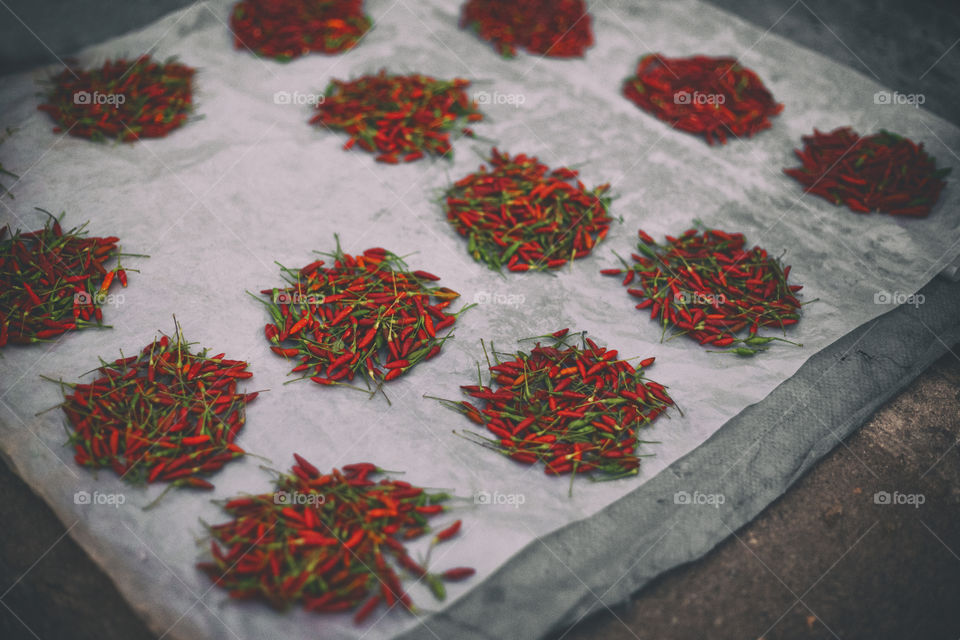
x,y
218,201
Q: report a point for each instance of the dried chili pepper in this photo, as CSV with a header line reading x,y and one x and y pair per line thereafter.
x,y
365,314
286,29
576,408
522,215
400,118
554,28
167,414
123,100
882,172
333,542
701,95
710,287
52,281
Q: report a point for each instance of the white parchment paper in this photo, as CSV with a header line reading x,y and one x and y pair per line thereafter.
x,y
219,200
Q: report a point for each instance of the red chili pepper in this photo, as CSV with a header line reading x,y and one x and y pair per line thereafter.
x,y
881,172
107,281
165,414
395,116
709,287
286,29
46,282
196,483
124,100
502,213
552,406
544,27
311,470
364,612
458,573
449,532
706,96
369,306
288,549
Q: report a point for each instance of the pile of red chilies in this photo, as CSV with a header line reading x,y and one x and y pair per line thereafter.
x,y
123,100
553,28
705,96
365,314
524,216
286,29
52,282
163,415
883,172
333,541
577,409
709,287
397,117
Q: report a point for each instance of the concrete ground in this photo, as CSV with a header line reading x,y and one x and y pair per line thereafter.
x,y
824,561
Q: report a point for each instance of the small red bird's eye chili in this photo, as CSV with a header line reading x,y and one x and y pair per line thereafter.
x,y
711,288
122,100
521,215
458,573
712,97
448,533
553,28
397,117
52,281
576,408
286,29
167,414
366,314
329,541
883,172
